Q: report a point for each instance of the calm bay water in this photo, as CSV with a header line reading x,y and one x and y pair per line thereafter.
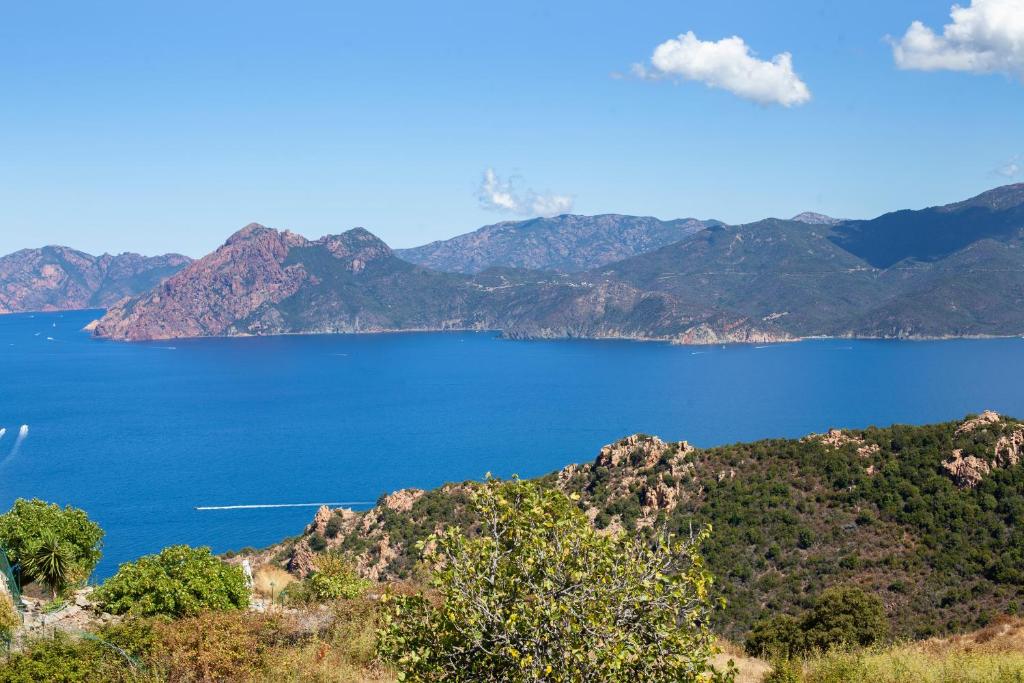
x,y
142,434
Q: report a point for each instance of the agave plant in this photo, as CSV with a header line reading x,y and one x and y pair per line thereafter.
x,y
49,559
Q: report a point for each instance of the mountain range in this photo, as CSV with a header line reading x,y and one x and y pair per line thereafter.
x,y
566,243
58,278
948,271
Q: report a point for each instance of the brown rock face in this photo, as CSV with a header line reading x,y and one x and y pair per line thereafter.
x,y
402,500
966,470
303,560
213,292
320,519
58,278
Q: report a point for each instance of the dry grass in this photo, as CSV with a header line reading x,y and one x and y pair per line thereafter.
x,y
750,669
995,654
270,579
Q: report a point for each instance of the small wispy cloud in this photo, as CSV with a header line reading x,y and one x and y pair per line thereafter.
x,y
728,64
1011,169
987,37
509,196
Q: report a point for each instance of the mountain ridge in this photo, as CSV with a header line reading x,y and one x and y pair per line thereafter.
x,y
772,280
568,243
55,278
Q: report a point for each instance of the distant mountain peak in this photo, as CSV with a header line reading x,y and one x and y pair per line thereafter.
x,y
567,243
812,218
359,246
997,199
58,278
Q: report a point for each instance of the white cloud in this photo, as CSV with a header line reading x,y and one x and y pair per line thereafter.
x,y
509,197
1012,168
986,37
730,65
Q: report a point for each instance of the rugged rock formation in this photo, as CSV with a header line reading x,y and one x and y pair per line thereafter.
x,y
969,469
58,278
837,438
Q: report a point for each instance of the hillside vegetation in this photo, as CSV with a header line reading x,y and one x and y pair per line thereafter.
x,y
926,518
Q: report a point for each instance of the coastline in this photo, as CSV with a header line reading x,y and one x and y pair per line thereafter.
x,y
683,339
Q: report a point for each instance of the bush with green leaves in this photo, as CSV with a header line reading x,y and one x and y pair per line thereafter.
x,y
840,616
64,658
34,530
537,594
334,577
178,581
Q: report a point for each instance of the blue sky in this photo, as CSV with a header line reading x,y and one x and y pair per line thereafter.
x,y
160,127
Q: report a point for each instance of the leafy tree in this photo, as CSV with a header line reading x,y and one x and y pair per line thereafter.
x,y
841,616
537,594
845,616
23,528
178,581
49,559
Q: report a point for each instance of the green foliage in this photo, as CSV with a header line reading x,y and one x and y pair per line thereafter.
x,y
24,527
784,670
178,581
334,526
334,577
840,617
48,558
537,594
63,659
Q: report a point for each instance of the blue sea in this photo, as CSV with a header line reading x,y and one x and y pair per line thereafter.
x,y
141,435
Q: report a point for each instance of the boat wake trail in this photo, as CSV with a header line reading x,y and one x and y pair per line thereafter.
x,y
282,505
22,433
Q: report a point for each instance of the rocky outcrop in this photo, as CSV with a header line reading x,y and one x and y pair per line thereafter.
x,y
402,500
58,278
966,470
1004,438
302,560
837,438
987,418
642,466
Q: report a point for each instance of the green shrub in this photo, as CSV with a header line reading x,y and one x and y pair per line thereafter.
x,y
63,659
24,527
842,616
784,670
178,581
334,526
334,578
537,594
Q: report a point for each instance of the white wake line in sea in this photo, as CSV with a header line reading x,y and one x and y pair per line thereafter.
x,y
281,505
